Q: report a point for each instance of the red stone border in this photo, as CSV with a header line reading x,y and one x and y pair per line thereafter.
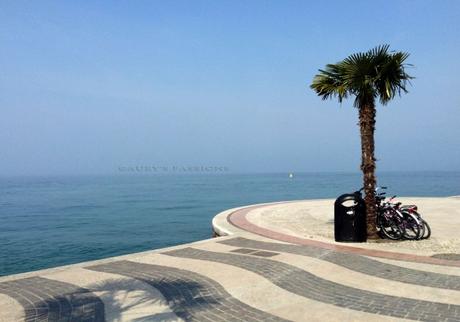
x,y
238,219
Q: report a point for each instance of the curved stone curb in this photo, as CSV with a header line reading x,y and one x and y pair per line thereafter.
x,y
222,226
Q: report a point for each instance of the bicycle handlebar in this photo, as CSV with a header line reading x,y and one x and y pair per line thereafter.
x,y
376,189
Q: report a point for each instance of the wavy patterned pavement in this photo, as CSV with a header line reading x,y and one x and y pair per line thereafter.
x,y
308,285
246,276
357,263
192,297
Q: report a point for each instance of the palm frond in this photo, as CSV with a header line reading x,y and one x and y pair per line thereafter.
x,y
329,83
375,74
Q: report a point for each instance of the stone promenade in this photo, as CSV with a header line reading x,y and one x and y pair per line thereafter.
x,y
267,266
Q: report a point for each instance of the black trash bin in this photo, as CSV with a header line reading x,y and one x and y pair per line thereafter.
x,y
350,218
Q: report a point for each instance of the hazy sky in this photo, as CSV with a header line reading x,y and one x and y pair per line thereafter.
x,y
89,86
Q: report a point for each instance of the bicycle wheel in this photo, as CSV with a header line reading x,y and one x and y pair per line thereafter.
x,y
412,226
388,227
422,229
426,228
427,232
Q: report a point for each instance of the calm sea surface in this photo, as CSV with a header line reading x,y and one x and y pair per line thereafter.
x,y
52,221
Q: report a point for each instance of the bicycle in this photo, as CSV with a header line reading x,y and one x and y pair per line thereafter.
x,y
395,221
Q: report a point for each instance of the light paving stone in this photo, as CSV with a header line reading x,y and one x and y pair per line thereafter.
x,y
10,309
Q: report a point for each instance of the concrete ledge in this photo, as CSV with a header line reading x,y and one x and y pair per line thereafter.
x,y
221,225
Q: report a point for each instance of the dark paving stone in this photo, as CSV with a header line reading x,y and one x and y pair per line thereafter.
x,y
449,256
256,252
356,263
244,250
308,285
191,296
262,253
49,300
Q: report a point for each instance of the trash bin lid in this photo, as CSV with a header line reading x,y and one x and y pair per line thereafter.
x,y
347,200
349,203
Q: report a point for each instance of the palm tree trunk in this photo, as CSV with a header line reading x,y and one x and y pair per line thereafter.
x,y
367,127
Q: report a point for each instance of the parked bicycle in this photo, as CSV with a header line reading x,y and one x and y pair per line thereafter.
x,y
396,221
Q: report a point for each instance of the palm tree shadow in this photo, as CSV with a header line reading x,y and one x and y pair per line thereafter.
x,y
152,299
122,299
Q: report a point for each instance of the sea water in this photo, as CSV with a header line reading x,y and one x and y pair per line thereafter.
x,y
53,221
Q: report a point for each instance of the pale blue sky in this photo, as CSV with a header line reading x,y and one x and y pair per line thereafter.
x,y
88,86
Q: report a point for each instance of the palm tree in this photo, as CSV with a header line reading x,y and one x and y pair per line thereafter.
x,y
366,76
